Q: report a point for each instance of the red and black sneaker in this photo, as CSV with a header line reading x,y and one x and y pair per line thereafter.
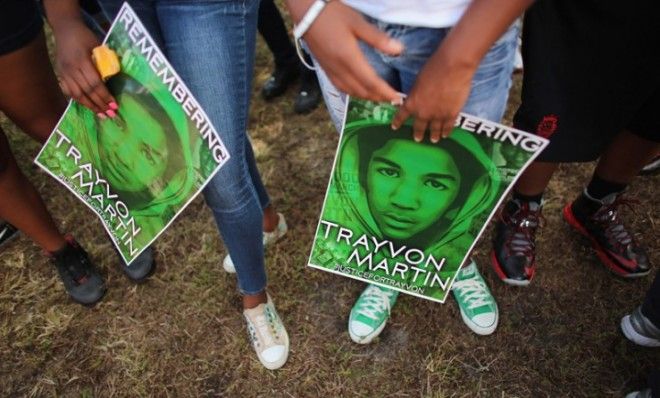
x,y
615,247
513,254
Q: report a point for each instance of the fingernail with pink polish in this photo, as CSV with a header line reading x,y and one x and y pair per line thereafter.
x,y
110,113
113,105
101,115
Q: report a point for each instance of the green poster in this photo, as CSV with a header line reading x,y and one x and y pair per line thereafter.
x,y
139,170
405,215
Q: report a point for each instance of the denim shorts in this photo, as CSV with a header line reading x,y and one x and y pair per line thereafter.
x,y
490,84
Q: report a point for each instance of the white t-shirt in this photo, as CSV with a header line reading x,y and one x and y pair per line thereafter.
x,y
423,13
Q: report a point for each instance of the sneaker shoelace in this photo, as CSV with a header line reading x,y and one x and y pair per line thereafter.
x,y
474,291
607,216
264,328
373,302
526,221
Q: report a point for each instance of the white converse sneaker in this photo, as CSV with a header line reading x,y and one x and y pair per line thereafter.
x,y
269,239
268,335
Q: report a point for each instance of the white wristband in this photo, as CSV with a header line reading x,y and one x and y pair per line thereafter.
x,y
307,20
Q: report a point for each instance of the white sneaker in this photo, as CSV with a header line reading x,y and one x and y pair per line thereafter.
x,y
477,304
269,239
640,330
268,335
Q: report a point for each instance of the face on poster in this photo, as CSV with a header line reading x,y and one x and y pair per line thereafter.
x,y
140,169
404,214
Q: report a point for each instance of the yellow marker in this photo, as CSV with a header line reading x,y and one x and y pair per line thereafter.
x,y
106,61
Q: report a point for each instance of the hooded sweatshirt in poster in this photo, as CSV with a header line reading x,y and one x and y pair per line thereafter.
x,y
138,170
405,215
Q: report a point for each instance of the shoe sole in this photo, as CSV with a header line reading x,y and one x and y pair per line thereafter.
x,y
9,240
480,330
145,278
632,335
230,269
138,281
281,362
368,339
651,168
93,303
500,272
613,267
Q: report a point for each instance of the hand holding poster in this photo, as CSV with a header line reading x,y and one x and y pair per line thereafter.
x,y
405,215
140,169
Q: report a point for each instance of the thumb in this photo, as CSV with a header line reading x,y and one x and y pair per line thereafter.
x,y
378,39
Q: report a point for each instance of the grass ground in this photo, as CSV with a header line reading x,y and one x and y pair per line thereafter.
x,y
182,334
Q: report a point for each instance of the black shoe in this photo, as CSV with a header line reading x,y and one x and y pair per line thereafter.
x,y
646,393
652,168
309,96
142,267
599,221
81,279
7,233
514,249
280,80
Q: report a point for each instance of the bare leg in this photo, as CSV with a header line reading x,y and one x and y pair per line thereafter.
x,y
21,204
252,301
270,219
31,98
535,179
625,157
30,95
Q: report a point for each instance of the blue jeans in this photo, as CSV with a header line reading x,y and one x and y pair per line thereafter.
x,y
490,85
211,44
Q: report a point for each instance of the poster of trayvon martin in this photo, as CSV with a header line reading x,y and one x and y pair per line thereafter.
x,y
405,215
139,170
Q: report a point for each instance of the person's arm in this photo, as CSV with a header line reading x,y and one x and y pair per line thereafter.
x,y
74,42
443,85
333,39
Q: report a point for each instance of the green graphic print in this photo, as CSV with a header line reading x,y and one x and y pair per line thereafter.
x,y
139,169
404,214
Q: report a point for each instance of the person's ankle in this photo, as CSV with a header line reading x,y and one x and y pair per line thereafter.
x,y
56,246
599,188
253,300
271,219
526,197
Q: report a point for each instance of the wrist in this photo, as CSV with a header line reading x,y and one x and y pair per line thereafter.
x,y
298,8
62,24
309,18
456,59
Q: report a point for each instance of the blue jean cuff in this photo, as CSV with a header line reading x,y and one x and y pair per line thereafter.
x,y
248,293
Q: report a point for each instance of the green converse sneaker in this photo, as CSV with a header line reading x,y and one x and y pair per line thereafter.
x,y
269,239
477,304
268,335
370,312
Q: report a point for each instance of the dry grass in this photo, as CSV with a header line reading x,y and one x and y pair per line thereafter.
x,y
181,334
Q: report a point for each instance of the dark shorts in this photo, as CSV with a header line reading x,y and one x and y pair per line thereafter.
x,y
591,71
20,23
